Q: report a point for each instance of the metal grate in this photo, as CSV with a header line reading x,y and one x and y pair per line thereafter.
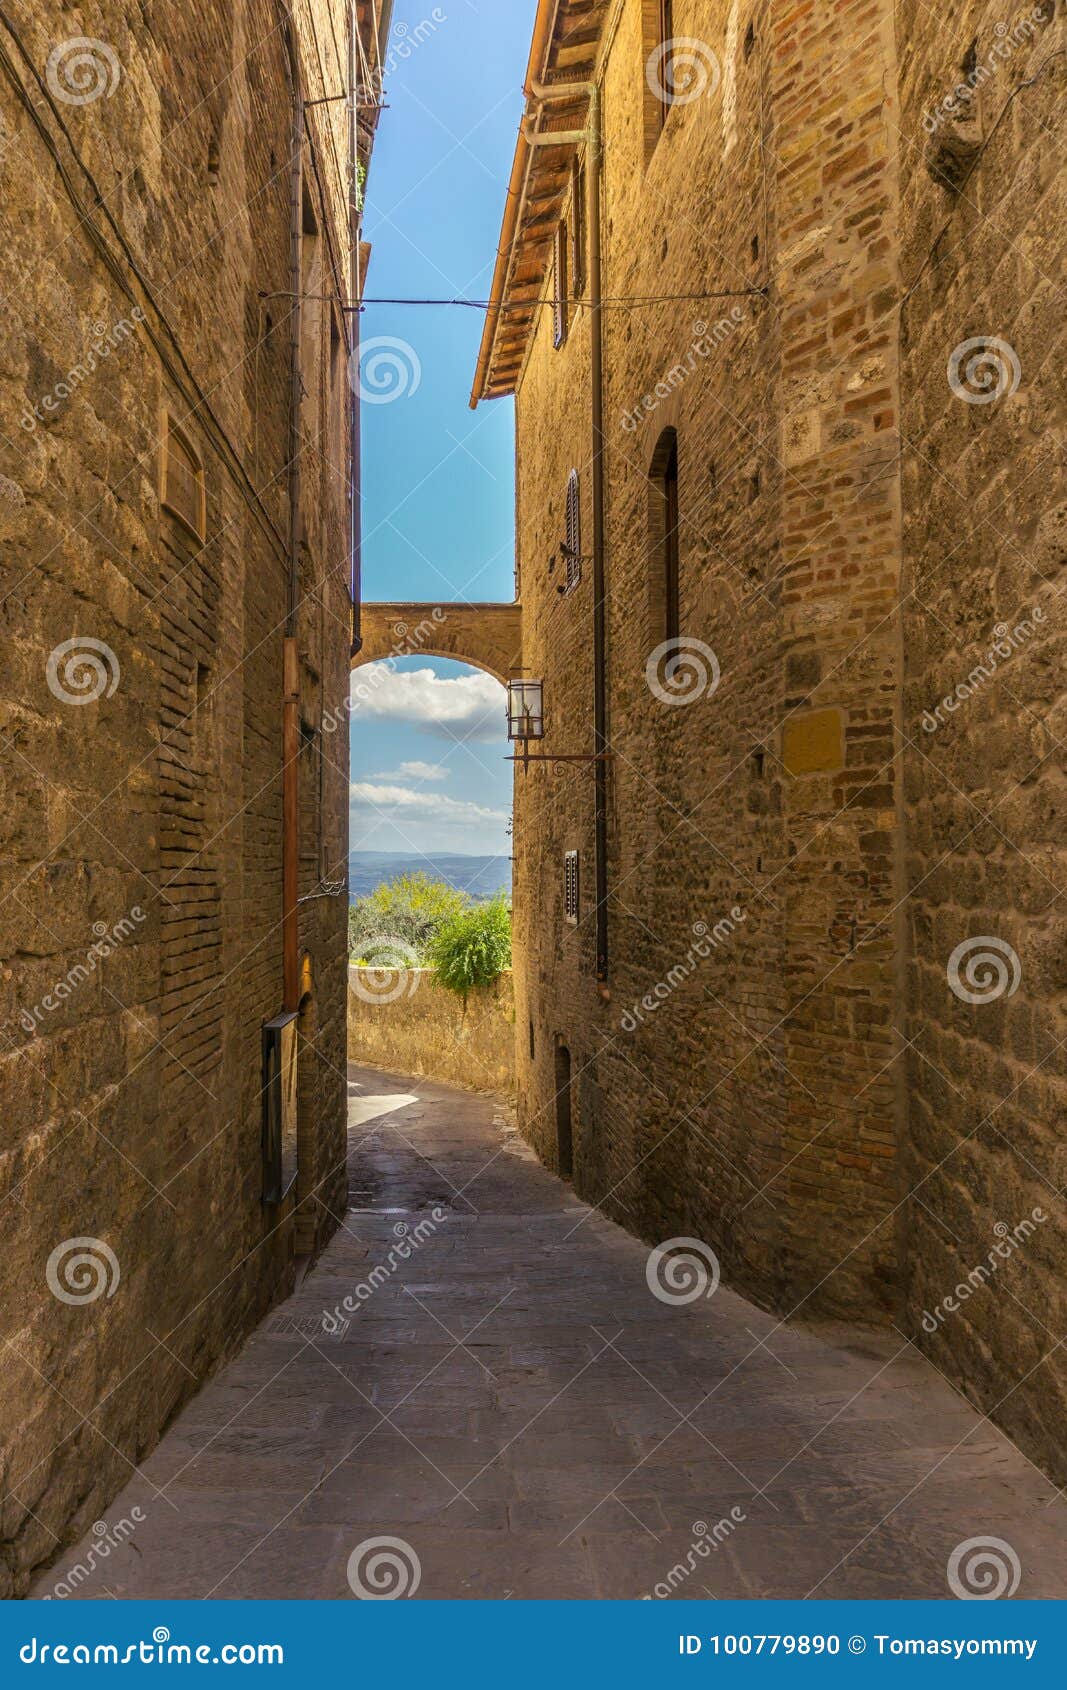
x,y
570,887
318,1326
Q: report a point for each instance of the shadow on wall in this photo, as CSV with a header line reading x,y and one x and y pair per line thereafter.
x,y
398,1019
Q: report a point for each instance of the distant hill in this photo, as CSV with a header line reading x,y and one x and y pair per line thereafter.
x,y
480,876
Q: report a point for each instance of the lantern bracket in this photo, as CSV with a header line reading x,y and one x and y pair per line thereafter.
x,y
526,757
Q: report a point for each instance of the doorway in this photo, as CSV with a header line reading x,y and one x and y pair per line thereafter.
x,y
564,1132
308,1111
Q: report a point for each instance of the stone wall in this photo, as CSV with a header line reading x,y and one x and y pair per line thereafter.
x,y
144,220
985,521
781,1067
404,1023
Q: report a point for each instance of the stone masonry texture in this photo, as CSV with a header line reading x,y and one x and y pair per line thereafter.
x,y
487,635
144,228
783,1067
984,824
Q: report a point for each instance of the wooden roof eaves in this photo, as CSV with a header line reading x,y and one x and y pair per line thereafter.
x,y
568,33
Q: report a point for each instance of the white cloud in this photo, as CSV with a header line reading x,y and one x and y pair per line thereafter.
x,y
401,803
456,707
414,771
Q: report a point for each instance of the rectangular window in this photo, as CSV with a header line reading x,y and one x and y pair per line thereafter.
x,y
559,286
672,616
570,887
182,491
337,411
658,66
312,809
666,25
311,320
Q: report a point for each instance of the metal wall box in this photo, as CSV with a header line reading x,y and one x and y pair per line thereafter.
x,y
279,1106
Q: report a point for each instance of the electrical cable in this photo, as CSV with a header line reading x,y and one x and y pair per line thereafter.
x,y
535,304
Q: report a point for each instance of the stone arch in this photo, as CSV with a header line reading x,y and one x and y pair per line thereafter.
x,y
488,636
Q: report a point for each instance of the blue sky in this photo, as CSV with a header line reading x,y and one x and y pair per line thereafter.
x,y
428,745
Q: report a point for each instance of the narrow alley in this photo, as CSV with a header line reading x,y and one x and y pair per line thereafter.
x,y
533,875
518,1405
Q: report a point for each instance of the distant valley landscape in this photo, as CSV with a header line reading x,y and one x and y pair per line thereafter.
x,y
481,877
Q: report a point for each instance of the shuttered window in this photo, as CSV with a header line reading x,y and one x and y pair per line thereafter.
x,y
578,231
570,887
182,490
572,550
666,34
664,62
559,286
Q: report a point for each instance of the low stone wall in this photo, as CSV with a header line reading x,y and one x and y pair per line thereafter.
x,y
404,1022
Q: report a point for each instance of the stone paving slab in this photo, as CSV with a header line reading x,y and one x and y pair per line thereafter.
x,y
512,1404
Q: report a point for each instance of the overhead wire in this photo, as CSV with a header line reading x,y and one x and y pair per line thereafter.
x,y
535,304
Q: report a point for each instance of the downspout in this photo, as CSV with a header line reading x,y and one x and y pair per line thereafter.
x,y
355,294
290,658
600,681
591,135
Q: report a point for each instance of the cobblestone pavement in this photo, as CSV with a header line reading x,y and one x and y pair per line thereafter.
x,y
514,1406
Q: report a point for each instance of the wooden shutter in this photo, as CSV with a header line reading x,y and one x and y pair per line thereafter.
x,y
578,229
666,69
573,549
182,490
559,286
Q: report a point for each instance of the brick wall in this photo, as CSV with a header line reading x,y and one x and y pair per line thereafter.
x,y
147,823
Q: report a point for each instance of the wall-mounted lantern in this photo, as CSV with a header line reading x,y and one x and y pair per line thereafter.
x,y
526,721
526,710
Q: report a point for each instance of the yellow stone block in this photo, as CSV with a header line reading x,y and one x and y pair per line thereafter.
x,y
814,742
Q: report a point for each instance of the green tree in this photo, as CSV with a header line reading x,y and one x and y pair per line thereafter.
x,y
408,909
473,947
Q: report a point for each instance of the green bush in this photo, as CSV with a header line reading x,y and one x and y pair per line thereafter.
x,y
408,910
473,947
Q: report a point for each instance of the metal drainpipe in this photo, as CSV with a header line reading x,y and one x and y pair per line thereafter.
x,y
290,657
355,233
600,682
543,92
